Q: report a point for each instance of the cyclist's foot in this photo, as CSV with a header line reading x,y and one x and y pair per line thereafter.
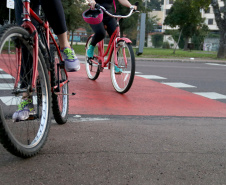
x,y
25,110
90,51
71,61
118,70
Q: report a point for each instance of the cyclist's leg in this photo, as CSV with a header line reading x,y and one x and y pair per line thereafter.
x,y
99,34
55,16
111,24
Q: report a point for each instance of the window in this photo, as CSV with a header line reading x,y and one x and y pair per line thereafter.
x,y
210,21
169,1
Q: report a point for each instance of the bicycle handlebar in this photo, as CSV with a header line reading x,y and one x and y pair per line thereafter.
x,y
132,10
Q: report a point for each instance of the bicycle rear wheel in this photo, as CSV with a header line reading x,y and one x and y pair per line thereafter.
x,y
60,100
92,66
22,138
123,80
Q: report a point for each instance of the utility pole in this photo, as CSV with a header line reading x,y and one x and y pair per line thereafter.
x,y
10,5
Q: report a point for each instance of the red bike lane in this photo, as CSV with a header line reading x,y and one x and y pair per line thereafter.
x,y
146,97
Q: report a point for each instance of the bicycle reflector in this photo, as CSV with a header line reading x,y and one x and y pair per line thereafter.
x,y
94,16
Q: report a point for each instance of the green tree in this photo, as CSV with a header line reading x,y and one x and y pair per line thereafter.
x,y
154,4
151,25
220,17
129,23
187,17
73,14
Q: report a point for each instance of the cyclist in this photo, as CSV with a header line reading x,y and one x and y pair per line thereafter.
x,y
54,12
108,21
56,18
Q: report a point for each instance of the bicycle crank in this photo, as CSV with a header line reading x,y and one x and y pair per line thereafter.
x,y
72,94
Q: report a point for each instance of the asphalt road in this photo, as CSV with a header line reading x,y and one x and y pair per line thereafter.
x,y
203,76
184,144
124,150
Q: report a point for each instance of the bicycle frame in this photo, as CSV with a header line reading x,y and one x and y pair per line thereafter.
x,y
28,25
115,37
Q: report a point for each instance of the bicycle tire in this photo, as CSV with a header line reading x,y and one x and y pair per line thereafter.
x,y
123,81
24,138
60,102
92,68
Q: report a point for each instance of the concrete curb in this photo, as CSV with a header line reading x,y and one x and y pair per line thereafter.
x,y
193,60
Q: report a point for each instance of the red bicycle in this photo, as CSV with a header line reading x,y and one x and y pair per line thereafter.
x,y
30,62
121,55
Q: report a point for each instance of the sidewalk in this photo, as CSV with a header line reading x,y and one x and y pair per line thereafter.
x,y
82,58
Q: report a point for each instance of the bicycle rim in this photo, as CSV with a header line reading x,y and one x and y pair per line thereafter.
x,y
92,67
123,80
60,100
22,138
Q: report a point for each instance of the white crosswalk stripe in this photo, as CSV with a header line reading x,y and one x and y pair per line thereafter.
x,y
6,86
152,77
211,95
6,76
179,85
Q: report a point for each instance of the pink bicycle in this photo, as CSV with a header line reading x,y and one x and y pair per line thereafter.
x,y
31,63
120,54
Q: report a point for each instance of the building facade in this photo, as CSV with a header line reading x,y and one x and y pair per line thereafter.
x,y
208,15
209,44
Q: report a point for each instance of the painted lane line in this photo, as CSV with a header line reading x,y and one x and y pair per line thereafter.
x,y
179,85
152,77
213,64
6,76
94,119
211,95
5,86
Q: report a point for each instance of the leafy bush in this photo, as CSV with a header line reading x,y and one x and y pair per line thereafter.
x,y
157,40
166,45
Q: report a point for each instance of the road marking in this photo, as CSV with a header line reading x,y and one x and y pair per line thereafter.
x,y
179,85
152,77
94,119
6,76
6,86
213,64
211,95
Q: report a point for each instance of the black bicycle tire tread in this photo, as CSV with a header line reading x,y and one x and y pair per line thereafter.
x,y
4,137
55,106
133,69
98,70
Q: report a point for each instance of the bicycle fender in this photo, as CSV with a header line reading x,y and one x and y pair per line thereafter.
x,y
124,39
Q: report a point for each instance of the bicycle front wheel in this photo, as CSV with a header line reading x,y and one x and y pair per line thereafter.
x,y
122,74
92,66
24,134
60,100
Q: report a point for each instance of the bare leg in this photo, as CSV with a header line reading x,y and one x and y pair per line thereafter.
x,y
63,41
